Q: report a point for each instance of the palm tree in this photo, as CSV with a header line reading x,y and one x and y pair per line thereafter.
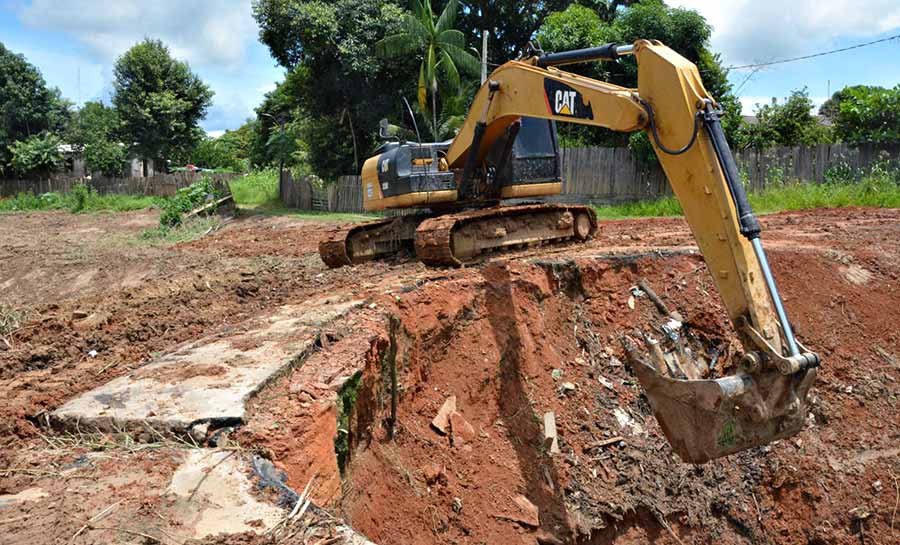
x,y
442,48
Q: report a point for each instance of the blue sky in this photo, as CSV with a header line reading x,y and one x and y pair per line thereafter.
x,y
75,44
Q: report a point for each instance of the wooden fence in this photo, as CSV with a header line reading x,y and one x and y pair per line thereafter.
x,y
614,175
305,193
161,185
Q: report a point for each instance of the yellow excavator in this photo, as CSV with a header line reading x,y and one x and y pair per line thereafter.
x,y
507,149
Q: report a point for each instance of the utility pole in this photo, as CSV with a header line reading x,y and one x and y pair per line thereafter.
x,y
281,121
484,45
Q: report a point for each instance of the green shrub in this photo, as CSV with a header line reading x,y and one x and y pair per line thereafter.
x,y
78,197
187,199
37,156
256,189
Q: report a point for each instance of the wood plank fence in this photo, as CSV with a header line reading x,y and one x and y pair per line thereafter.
x,y
614,175
161,185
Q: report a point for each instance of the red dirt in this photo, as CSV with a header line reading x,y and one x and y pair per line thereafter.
x,y
491,334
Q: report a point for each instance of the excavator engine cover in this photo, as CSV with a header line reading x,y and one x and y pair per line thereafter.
x,y
709,418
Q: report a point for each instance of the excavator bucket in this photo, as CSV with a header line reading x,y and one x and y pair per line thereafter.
x,y
707,418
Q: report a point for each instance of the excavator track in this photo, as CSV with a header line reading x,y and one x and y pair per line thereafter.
x,y
367,241
452,240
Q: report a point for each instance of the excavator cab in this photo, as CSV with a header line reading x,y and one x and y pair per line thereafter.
x,y
533,167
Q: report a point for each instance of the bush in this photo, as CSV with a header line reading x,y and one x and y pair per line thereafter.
x,y
256,189
186,200
78,197
37,156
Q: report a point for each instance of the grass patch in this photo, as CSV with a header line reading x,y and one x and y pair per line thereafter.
x,y
10,320
257,189
186,231
878,190
80,199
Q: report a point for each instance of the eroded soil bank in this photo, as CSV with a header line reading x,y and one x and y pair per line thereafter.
x,y
520,340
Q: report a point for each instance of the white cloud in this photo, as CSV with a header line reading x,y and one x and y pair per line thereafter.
x,y
202,32
748,31
218,38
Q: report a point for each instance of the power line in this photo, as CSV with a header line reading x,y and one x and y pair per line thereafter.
x,y
814,55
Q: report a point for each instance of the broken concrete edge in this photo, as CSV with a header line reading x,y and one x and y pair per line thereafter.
x,y
141,431
149,429
271,477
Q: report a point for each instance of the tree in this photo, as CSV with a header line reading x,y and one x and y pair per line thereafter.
x,y
788,124
36,156
27,106
239,142
105,157
215,153
336,88
865,114
94,121
511,24
441,46
683,30
95,130
160,102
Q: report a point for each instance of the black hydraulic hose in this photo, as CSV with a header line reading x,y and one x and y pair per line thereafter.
x,y
749,224
655,133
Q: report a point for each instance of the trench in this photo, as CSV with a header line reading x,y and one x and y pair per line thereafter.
x,y
511,344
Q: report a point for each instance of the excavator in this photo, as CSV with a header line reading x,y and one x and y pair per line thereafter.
x,y
507,151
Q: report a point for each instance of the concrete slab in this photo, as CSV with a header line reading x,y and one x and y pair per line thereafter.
x,y
209,380
163,495
211,495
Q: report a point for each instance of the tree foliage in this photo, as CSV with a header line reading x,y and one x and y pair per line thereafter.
x,y
36,156
159,100
93,121
865,113
789,124
216,153
595,23
95,129
27,106
441,47
105,157
511,24
337,88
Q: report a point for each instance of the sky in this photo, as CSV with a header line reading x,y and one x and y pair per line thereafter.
x,y
75,44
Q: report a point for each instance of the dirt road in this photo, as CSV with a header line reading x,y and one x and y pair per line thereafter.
x,y
511,338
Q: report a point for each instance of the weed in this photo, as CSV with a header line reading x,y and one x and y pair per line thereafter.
x,y
80,199
10,319
186,231
257,189
346,400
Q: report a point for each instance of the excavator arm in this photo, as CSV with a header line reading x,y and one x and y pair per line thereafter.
x,y
702,418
